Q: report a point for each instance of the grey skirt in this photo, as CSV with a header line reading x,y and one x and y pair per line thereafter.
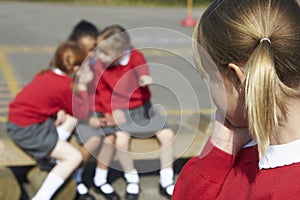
x,y
37,140
84,132
143,121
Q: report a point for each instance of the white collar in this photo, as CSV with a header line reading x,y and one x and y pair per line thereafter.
x,y
281,155
250,144
125,59
58,72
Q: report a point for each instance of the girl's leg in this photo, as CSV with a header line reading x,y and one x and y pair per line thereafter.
x,y
103,161
165,138
122,145
69,158
65,129
126,161
87,149
90,147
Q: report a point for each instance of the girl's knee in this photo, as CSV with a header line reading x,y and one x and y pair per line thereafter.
x,y
122,144
70,118
165,136
76,157
110,139
93,141
122,141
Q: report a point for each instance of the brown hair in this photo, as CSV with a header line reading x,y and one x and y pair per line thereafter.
x,y
68,55
231,32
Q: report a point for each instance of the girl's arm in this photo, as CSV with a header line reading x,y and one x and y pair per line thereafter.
x,y
80,105
142,69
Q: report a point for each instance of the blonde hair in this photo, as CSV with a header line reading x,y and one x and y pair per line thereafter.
x,y
116,37
231,31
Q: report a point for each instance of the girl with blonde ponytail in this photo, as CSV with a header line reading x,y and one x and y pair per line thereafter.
x,y
251,52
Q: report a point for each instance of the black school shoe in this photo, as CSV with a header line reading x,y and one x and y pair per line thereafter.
x,y
86,196
132,196
163,191
108,196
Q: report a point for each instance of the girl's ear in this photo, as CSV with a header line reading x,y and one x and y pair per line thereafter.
x,y
238,71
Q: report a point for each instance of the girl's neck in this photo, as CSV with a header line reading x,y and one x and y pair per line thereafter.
x,y
289,129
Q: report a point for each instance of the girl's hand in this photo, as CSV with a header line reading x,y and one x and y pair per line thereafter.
x,y
109,119
227,137
97,122
145,80
85,76
60,117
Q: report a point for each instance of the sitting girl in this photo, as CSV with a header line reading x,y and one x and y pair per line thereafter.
x,y
31,122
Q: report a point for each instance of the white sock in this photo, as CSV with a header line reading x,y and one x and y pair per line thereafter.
x,y
77,175
63,134
50,185
81,189
166,176
100,176
132,177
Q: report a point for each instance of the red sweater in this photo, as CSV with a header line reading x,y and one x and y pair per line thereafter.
x,y
219,175
46,94
117,87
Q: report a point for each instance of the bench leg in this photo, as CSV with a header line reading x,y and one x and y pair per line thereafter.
x,y
9,186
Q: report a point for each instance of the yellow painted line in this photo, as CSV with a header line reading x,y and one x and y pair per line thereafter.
x,y
26,49
8,74
2,119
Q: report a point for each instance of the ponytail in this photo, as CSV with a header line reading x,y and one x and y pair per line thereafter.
x,y
262,91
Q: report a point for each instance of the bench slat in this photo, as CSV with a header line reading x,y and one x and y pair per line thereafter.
x,y
188,143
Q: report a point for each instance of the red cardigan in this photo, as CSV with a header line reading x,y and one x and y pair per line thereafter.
x,y
117,87
219,175
46,94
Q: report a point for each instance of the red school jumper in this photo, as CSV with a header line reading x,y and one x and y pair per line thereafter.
x,y
116,87
47,93
219,175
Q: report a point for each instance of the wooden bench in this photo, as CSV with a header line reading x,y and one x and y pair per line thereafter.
x,y
187,143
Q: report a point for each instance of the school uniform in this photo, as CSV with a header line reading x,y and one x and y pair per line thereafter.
x,y
31,113
117,87
216,174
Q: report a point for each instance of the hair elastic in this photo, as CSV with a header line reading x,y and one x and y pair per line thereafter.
x,y
265,39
